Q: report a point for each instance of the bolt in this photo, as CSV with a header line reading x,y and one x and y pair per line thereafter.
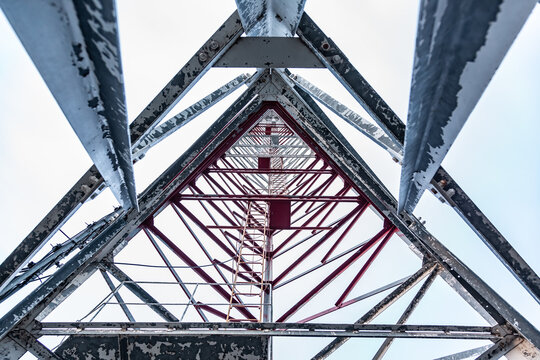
x,y
214,45
325,45
203,56
336,59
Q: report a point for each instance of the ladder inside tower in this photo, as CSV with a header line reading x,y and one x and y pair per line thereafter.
x,y
250,280
250,284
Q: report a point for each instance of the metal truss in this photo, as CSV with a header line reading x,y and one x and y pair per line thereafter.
x,y
220,188
156,110
338,64
274,133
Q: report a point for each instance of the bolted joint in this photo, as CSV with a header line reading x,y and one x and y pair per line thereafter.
x,y
203,56
214,45
336,59
325,46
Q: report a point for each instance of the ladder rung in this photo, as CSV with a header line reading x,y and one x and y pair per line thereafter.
x,y
249,294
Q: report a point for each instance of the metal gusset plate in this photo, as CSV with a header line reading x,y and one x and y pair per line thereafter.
x,y
459,46
75,47
270,17
269,52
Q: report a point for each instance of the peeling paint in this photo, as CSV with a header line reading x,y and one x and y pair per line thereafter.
x,y
450,73
165,347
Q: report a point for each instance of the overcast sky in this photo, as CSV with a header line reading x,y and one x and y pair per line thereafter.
x,y
495,158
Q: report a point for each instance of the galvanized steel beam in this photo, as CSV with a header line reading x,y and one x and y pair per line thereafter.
x,y
495,241
80,63
359,123
325,135
334,59
125,227
338,64
192,71
459,46
271,329
10,350
270,17
117,295
57,253
32,345
269,52
500,348
161,131
379,307
467,354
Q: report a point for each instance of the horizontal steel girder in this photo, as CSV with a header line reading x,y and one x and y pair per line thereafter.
x,y
80,63
164,101
459,46
336,61
269,52
270,17
273,329
249,197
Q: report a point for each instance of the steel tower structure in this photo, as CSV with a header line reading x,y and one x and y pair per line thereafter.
x,y
259,219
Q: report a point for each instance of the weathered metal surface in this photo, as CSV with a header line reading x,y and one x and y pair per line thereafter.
x,y
57,253
459,46
500,348
524,351
80,63
334,59
269,52
339,150
494,240
192,71
117,295
359,123
270,17
164,347
339,65
32,345
161,131
125,227
10,350
248,329
467,354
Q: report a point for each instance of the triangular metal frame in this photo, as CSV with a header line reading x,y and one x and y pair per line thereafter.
x,y
507,324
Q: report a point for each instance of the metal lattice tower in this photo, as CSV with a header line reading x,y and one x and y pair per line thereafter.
x,y
271,224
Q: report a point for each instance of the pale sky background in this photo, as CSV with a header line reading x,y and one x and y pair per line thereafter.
x,y
495,158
